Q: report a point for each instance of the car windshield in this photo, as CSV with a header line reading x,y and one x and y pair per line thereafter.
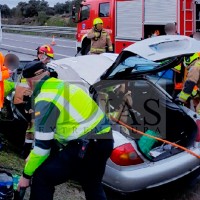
x,y
134,63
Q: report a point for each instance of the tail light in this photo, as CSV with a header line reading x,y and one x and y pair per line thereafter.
x,y
125,155
198,131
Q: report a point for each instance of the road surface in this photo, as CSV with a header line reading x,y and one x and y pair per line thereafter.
x,y
25,45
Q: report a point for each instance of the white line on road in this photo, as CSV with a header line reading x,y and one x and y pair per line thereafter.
x,y
34,43
31,49
46,38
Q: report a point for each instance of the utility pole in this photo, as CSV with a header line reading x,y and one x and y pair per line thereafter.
x,y
0,28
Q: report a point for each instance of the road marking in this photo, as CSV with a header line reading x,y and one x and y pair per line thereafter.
x,y
34,43
17,47
46,38
31,50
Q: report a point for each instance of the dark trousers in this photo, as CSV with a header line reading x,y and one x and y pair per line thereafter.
x,y
67,164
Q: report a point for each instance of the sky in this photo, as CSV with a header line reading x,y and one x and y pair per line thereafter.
x,y
13,3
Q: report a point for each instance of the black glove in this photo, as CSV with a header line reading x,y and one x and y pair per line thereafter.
x,y
179,102
182,103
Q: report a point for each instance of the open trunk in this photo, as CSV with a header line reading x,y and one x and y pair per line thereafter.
x,y
147,108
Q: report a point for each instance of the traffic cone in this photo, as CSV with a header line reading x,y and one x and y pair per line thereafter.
x,y
53,41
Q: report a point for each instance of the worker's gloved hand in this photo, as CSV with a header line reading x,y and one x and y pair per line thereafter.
x,y
179,101
182,102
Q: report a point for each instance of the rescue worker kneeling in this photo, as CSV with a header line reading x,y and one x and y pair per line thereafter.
x,y
192,83
66,115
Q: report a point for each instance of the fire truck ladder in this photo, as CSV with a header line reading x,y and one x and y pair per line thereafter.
x,y
188,18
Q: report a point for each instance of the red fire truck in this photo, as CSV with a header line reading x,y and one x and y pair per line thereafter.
x,y
129,21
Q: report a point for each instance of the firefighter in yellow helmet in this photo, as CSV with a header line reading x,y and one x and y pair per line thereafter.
x,y
192,83
100,38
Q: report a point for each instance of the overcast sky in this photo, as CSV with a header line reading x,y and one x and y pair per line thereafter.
x,y
13,3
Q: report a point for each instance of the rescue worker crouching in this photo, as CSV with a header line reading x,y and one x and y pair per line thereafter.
x,y
99,38
192,83
79,128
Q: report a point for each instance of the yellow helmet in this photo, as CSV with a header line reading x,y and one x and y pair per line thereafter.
x,y
189,59
97,21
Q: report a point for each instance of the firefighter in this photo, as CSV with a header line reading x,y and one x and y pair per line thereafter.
x,y
100,38
196,35
170,29
121,100
45,53
78,129
155,33
181,71
192,83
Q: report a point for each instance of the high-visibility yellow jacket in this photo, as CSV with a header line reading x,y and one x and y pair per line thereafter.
x,y
63,112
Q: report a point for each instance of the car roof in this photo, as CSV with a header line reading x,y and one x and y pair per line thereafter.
x,y
163,47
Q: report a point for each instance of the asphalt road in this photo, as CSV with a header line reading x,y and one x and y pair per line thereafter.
x,y
24,46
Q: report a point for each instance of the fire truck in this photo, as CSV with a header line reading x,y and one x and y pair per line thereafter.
x,y
129,21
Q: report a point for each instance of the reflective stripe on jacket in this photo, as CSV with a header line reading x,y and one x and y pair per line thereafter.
x,y
99,41
74,120
192,79
9,86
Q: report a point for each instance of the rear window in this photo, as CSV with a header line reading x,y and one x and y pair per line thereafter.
x,y
134,63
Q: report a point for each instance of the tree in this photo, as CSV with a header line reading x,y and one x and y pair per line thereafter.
x,y
5,11
50,11
40,5
59,8
42,18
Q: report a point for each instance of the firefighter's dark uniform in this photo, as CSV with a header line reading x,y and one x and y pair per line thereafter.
x,y
192,80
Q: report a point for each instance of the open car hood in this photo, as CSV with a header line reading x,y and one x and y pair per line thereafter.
x,y
151,55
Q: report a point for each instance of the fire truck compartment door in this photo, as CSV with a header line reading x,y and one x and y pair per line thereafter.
x,y
160,12
129,20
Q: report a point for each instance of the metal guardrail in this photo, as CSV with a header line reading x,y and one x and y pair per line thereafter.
x,y
41,29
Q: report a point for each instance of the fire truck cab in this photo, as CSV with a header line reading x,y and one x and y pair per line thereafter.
x,y
129,21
